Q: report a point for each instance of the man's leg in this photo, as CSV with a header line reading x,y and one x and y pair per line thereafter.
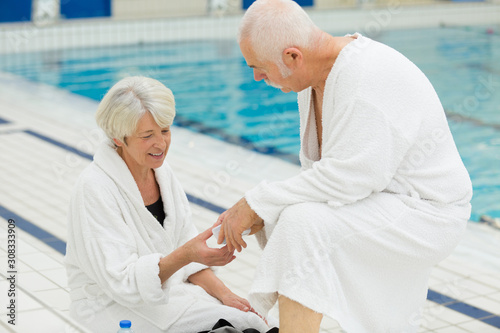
x,y
296,318
354,263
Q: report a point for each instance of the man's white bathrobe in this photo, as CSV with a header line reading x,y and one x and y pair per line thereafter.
x,y
113,250
355,234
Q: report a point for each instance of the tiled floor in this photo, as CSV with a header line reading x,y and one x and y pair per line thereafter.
x,y
47,137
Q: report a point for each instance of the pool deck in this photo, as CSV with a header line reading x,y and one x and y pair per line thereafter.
x,y
47,137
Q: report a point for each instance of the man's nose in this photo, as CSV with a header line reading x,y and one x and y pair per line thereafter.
x,y
258,75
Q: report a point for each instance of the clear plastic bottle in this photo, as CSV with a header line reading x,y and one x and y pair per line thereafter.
x,y
125,327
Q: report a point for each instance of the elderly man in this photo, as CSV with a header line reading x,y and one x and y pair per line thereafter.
x,y
382,195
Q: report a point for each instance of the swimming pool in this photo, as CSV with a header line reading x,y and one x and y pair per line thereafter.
x,y
216,94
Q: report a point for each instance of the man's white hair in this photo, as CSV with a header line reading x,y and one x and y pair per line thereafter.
x,y
271,26
128,100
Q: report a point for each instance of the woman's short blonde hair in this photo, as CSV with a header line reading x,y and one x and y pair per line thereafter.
x,y
128,100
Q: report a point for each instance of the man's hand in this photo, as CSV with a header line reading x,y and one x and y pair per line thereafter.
x,y
234,221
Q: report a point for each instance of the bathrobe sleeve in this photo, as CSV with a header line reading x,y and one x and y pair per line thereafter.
x,y
111,252
362,150
188,230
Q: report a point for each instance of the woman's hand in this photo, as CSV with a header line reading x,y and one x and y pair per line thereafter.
x,y
198,251
195,250
216,288
239,303
235,301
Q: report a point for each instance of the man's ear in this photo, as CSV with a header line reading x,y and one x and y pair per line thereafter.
x,y
292,57
117,142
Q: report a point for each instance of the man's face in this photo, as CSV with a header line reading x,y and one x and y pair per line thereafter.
x,y
264,70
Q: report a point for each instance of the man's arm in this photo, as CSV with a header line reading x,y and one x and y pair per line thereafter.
x,y
359,157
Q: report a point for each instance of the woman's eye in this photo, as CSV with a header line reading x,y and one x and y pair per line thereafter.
x,y
147,137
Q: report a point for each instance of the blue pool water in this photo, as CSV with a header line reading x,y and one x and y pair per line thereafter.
x,y
216,94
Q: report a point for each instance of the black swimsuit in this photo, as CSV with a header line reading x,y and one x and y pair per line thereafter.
x,y
157,210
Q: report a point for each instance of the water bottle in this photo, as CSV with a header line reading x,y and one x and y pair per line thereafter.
x,y
125,327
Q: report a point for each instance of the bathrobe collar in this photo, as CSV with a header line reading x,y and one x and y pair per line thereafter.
x,y
309,135
108,159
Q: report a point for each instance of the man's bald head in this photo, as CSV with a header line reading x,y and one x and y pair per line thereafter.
x,y
271,26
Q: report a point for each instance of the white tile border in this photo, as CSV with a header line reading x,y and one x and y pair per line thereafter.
x,y
477,326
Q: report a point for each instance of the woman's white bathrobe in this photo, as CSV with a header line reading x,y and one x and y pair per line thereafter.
x,y
113,250
355,234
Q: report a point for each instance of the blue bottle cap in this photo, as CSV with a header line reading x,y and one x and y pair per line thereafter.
x,y
125,324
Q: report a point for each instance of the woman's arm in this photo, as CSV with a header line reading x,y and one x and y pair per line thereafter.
x,y
195,250
216,288
172,263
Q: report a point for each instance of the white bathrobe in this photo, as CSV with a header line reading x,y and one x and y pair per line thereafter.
x,y
355,234
113,250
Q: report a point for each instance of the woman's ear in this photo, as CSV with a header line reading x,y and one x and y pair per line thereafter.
x,y
292,58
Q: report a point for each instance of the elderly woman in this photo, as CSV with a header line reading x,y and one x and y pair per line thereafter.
x,y
132,251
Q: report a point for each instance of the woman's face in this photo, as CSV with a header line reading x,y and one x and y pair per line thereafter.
x,y
147,147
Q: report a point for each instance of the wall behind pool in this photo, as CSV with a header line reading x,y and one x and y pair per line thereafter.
x,y
129,28
53,10
22,10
